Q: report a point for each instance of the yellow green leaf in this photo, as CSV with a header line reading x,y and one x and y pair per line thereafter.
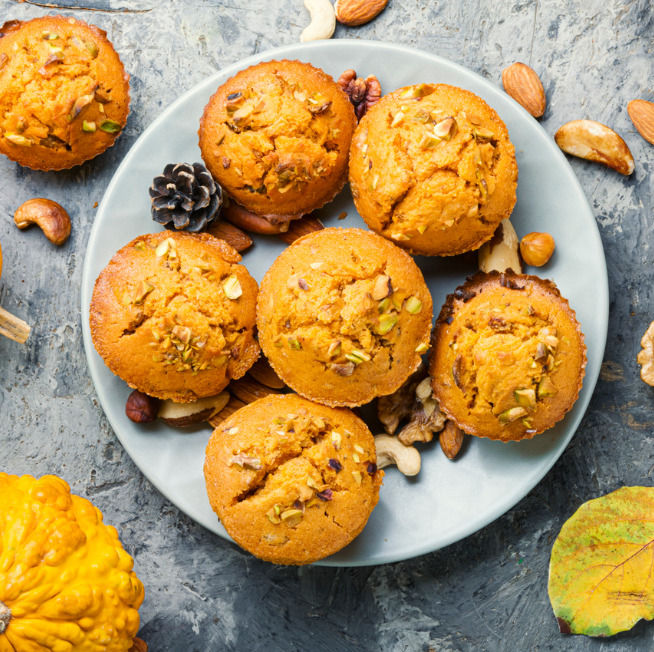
x,y
602,566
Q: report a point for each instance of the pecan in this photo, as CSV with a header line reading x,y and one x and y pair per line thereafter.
x,y
363,93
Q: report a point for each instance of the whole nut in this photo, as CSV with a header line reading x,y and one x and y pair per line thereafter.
x,y
363,93
50,216
141,408
248,221
358,12
641,113
537,248
500,253
524,86
322,23
595,142
451,440
231,234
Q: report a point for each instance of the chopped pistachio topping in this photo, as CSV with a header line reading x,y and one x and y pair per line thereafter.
x,y
292,517
422,348
397,118
357,356
246,462
17,139
512,415
413,305
88,126
525,397
357,476
110,126
142,291
232,287
546,388
386,323
162,248
294,343
336,439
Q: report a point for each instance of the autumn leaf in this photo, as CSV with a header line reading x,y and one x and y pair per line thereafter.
x,y
601,570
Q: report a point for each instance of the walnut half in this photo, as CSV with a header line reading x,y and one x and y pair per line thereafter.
x,y
426,417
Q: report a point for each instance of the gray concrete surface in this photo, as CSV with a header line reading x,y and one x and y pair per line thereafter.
x,y
488,592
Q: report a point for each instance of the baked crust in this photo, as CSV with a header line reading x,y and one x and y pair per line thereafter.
x,y
276,136
64,93
503,342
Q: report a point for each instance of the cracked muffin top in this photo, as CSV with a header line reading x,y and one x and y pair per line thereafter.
x,y
292,481
276,136
508,356
64,94
432,168
344,316
173,315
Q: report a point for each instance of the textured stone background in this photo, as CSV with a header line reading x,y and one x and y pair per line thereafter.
x,y
488,592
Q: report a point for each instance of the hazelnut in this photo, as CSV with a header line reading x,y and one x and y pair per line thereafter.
x,y
50,216
141,408
537,248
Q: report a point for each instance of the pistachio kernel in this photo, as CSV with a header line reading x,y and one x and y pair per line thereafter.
x,y
357,476
294,343
92,48
422,348
386,323
17,139
413,305
525,397
334,349
110,126
546,388
88,126
512,414
142,291
246,462
382,287
272,517
482,135
292,517
232,287
446,129
336,439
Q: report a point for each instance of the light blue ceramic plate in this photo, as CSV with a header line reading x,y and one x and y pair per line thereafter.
x,y
448,500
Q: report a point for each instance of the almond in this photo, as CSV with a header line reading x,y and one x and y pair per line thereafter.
x,y
249,390
451,440
265,374
231,234
525,87
595,142
357,12
298,228
641,113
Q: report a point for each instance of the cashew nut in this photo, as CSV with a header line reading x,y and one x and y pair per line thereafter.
x,y
501,252
323,20
50,216
391,451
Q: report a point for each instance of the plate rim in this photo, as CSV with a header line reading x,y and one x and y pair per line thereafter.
x,y
602,301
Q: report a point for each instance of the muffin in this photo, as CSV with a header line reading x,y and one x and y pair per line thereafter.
x,y
173,315
344,316
276,137
432,168
508,356
64,94
292,481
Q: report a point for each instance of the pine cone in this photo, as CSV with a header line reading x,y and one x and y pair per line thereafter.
x,y
185,197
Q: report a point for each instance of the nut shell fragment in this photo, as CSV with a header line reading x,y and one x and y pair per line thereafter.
x,y
594,141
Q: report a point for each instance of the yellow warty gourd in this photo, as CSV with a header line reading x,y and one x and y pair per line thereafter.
x,y
66,584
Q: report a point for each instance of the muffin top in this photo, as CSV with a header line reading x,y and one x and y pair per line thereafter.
x,y
173,315
64,94
344,316
432,168
276,136
508,356
292,481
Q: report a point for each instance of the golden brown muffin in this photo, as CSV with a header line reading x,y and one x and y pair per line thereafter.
x,y
276,136
344,316
292,481
64,94
173,315
508,356
432,168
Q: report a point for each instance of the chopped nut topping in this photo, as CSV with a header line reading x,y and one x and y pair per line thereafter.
x,y
232,287
246,462
142,291
382,287
512,414
413,305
